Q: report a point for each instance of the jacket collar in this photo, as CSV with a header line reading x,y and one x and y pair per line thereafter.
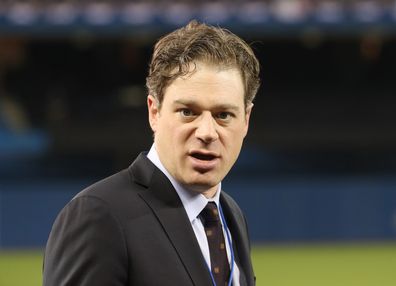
x,y
163,200
237,226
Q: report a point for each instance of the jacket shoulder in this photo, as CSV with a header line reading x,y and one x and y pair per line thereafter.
x,y
118,192
124,186
109,187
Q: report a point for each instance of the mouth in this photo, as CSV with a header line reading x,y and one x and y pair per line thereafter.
x,y
203,161
203,157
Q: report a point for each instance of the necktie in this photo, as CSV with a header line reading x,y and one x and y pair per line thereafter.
x,y
214,233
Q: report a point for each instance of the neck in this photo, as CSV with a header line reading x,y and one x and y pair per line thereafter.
x,y
207,192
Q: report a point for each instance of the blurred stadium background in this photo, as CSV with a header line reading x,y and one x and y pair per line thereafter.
x,y
317,176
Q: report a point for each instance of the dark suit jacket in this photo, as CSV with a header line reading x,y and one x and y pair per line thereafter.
x,y
132,229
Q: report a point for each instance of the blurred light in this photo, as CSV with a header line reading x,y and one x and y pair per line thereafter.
x,y
215,12
138,14
61,14
253,12
22,14
329,12
393,11
289,11
266,16
178,13
100,13
368,11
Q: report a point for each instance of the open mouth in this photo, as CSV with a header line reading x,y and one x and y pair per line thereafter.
x,y
203,157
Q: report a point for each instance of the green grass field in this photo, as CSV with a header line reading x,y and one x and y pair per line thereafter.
x,y
300,265
326,265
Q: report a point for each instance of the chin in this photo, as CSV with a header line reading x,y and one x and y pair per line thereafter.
x,y
203,183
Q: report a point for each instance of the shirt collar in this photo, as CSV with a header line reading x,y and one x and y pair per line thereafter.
x,y
193,202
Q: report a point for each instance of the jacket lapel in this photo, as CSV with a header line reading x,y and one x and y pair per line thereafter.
x,y
236,224
163,200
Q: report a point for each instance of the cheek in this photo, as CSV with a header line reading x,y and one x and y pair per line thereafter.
x,y
233,142
235,136
176,135
183,133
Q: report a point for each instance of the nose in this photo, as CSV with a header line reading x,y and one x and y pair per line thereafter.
x,y
206,129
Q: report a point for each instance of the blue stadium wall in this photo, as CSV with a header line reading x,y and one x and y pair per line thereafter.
x,y
278,208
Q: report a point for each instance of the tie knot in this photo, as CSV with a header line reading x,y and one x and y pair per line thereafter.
x,y
210,214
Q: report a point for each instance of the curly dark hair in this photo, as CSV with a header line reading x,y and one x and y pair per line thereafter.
x,y
197,42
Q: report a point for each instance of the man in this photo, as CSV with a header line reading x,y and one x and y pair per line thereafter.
x,y
165,219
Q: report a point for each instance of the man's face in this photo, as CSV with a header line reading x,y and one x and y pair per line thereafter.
x,y
200,126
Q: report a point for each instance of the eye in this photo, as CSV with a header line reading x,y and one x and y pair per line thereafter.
x,y
224,116
186,112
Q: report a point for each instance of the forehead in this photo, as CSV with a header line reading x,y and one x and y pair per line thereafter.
x,y
207,84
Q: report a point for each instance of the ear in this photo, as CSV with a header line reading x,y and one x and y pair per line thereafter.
x,y
248,111
153,111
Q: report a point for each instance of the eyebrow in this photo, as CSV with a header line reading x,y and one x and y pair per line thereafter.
x,y
218,106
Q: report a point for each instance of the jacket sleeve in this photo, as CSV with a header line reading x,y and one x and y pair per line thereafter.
x,y
86,246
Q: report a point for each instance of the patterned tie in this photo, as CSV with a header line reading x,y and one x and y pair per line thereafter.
x,y
214,233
